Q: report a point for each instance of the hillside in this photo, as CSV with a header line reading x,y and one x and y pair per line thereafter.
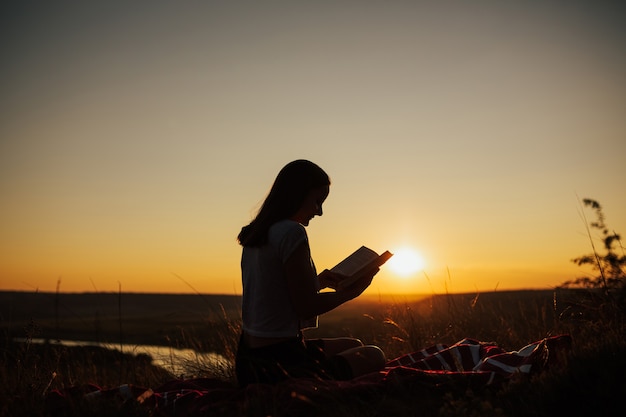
x,y
193,319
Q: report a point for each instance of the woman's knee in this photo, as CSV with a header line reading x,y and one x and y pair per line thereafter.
x,y
365,359
375,355
337,345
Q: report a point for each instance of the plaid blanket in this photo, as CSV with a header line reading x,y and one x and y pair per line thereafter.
x,y
484,361
469,362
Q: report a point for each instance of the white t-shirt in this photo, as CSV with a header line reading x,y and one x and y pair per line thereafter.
x,y
267,310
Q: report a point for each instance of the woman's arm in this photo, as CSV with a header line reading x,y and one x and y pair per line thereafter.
x,y
307,302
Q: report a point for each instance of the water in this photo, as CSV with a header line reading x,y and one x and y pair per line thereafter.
x,y
177,361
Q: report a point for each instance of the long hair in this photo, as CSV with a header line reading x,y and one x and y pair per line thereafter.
x,y
291,187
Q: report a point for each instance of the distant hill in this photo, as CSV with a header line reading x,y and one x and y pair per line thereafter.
x,y
109,317
184,319
44,305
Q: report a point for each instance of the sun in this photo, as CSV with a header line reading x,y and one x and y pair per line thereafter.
x,y
406,261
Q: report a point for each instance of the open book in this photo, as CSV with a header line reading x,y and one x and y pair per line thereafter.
x,y
358,263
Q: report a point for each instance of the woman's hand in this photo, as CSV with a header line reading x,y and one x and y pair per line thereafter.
x,y
303,291
329,279
360,285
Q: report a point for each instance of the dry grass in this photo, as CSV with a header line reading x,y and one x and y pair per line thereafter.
x,y
591,383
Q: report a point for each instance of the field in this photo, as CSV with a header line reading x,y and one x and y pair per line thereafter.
x,y
590,383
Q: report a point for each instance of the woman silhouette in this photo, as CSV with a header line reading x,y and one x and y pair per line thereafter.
x,y
281,290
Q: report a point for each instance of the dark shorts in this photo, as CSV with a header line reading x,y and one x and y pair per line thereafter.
x,y
294,358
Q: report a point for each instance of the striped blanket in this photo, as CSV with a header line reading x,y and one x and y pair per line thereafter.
x,y
482,361
470,363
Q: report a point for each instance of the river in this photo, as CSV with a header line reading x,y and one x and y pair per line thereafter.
x,y
177,361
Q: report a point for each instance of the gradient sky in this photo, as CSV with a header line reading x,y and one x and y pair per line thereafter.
x,y
136,138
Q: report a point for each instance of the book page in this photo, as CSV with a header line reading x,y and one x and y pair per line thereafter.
x,y
353,263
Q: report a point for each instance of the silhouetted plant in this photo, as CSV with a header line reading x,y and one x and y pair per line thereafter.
x,y
610,265
604,301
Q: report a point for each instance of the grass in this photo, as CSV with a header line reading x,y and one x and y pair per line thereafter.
x,y
589,380
589,383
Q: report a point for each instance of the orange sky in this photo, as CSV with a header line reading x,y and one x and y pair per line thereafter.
x,y
137,139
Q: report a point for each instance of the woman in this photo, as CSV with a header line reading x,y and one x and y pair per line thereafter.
x,y
281,294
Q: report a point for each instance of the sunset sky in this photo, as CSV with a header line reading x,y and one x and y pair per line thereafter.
x,y
138,137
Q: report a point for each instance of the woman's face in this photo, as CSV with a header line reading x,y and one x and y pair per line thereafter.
x,y
312,205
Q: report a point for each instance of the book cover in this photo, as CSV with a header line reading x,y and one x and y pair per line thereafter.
x,y
359,262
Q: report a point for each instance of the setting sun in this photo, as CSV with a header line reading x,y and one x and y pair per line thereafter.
x,y
406,261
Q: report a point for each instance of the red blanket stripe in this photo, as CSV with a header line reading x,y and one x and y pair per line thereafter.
x,y
470,355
